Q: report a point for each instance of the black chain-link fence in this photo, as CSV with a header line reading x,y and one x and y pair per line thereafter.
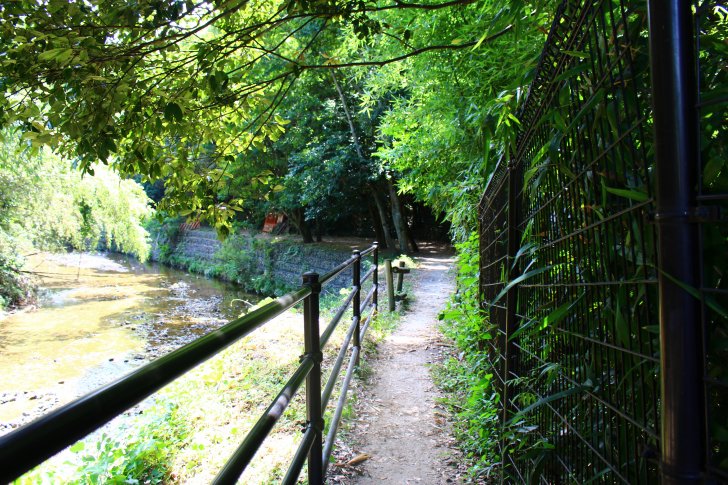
x,y
569,269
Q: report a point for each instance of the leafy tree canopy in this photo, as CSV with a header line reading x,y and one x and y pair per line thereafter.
x,y
178,89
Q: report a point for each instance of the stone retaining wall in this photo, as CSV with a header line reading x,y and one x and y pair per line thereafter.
x,y
281,260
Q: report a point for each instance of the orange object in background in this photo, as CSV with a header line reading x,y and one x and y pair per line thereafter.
x,y
189,226
272,220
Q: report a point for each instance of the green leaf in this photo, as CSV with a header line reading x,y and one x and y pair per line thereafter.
x,y
60,55
551,319
709,301
515,281
628,194
78,447
281,121
712,170
585,109
172,112
580,55
544,400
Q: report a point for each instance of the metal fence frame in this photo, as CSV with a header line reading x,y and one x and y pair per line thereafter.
x,y
592,244
35,442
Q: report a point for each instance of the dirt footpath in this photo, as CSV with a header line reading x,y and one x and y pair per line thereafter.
x,y
400,431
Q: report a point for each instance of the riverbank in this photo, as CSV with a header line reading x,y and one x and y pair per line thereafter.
x,y
184,433
99,316
258,262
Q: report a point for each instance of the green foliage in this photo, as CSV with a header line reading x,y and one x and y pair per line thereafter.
x,y
200,95
141,452
167,89
451,114
467,378
46,204
714,156
15,288
164,233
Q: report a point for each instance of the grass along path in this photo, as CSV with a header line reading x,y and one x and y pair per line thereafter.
x,y
400,432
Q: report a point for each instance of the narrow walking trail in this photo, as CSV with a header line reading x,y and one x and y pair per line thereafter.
x,y
400,429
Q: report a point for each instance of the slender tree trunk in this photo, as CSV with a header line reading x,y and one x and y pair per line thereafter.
x,y
299,220
352,128
376,221
410,237
382,209
400,225
381,205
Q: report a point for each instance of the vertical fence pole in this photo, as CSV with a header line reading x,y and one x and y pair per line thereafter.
x,y
375,276
400,277
674,97
390,283
312,347
510,350
356,302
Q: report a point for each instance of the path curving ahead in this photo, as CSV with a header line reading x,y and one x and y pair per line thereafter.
x,y
398,423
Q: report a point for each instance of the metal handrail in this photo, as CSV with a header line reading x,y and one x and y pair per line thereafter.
x,y
35,442
337,318
337,365
255,437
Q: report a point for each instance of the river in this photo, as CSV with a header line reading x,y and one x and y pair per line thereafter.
x,y
98,317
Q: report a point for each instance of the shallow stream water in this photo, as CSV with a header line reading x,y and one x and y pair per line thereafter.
x,y
98,317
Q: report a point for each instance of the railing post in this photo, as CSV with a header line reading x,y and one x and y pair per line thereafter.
x,y
677,155
312,347
356,302
511,323
375,276
390,282
400,277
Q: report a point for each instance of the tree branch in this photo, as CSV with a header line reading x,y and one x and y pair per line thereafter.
x,y
412,53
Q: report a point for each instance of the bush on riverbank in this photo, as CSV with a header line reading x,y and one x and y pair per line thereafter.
x,y
15,288
45,203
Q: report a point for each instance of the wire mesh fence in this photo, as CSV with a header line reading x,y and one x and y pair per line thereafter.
x,y
711,27
569,268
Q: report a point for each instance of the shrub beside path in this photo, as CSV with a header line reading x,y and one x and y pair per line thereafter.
x,y
400,434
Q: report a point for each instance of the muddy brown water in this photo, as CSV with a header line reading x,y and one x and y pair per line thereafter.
x,y
98,317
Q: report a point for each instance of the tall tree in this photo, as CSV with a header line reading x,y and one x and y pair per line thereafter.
x,y
378,200
151,85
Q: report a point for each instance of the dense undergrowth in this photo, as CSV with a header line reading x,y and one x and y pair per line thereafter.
x,y
466,376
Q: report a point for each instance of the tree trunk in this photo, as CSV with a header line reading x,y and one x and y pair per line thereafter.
x,y
352,128
410,237
400,225
319,237
382,209
381,205
299,220
376,221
